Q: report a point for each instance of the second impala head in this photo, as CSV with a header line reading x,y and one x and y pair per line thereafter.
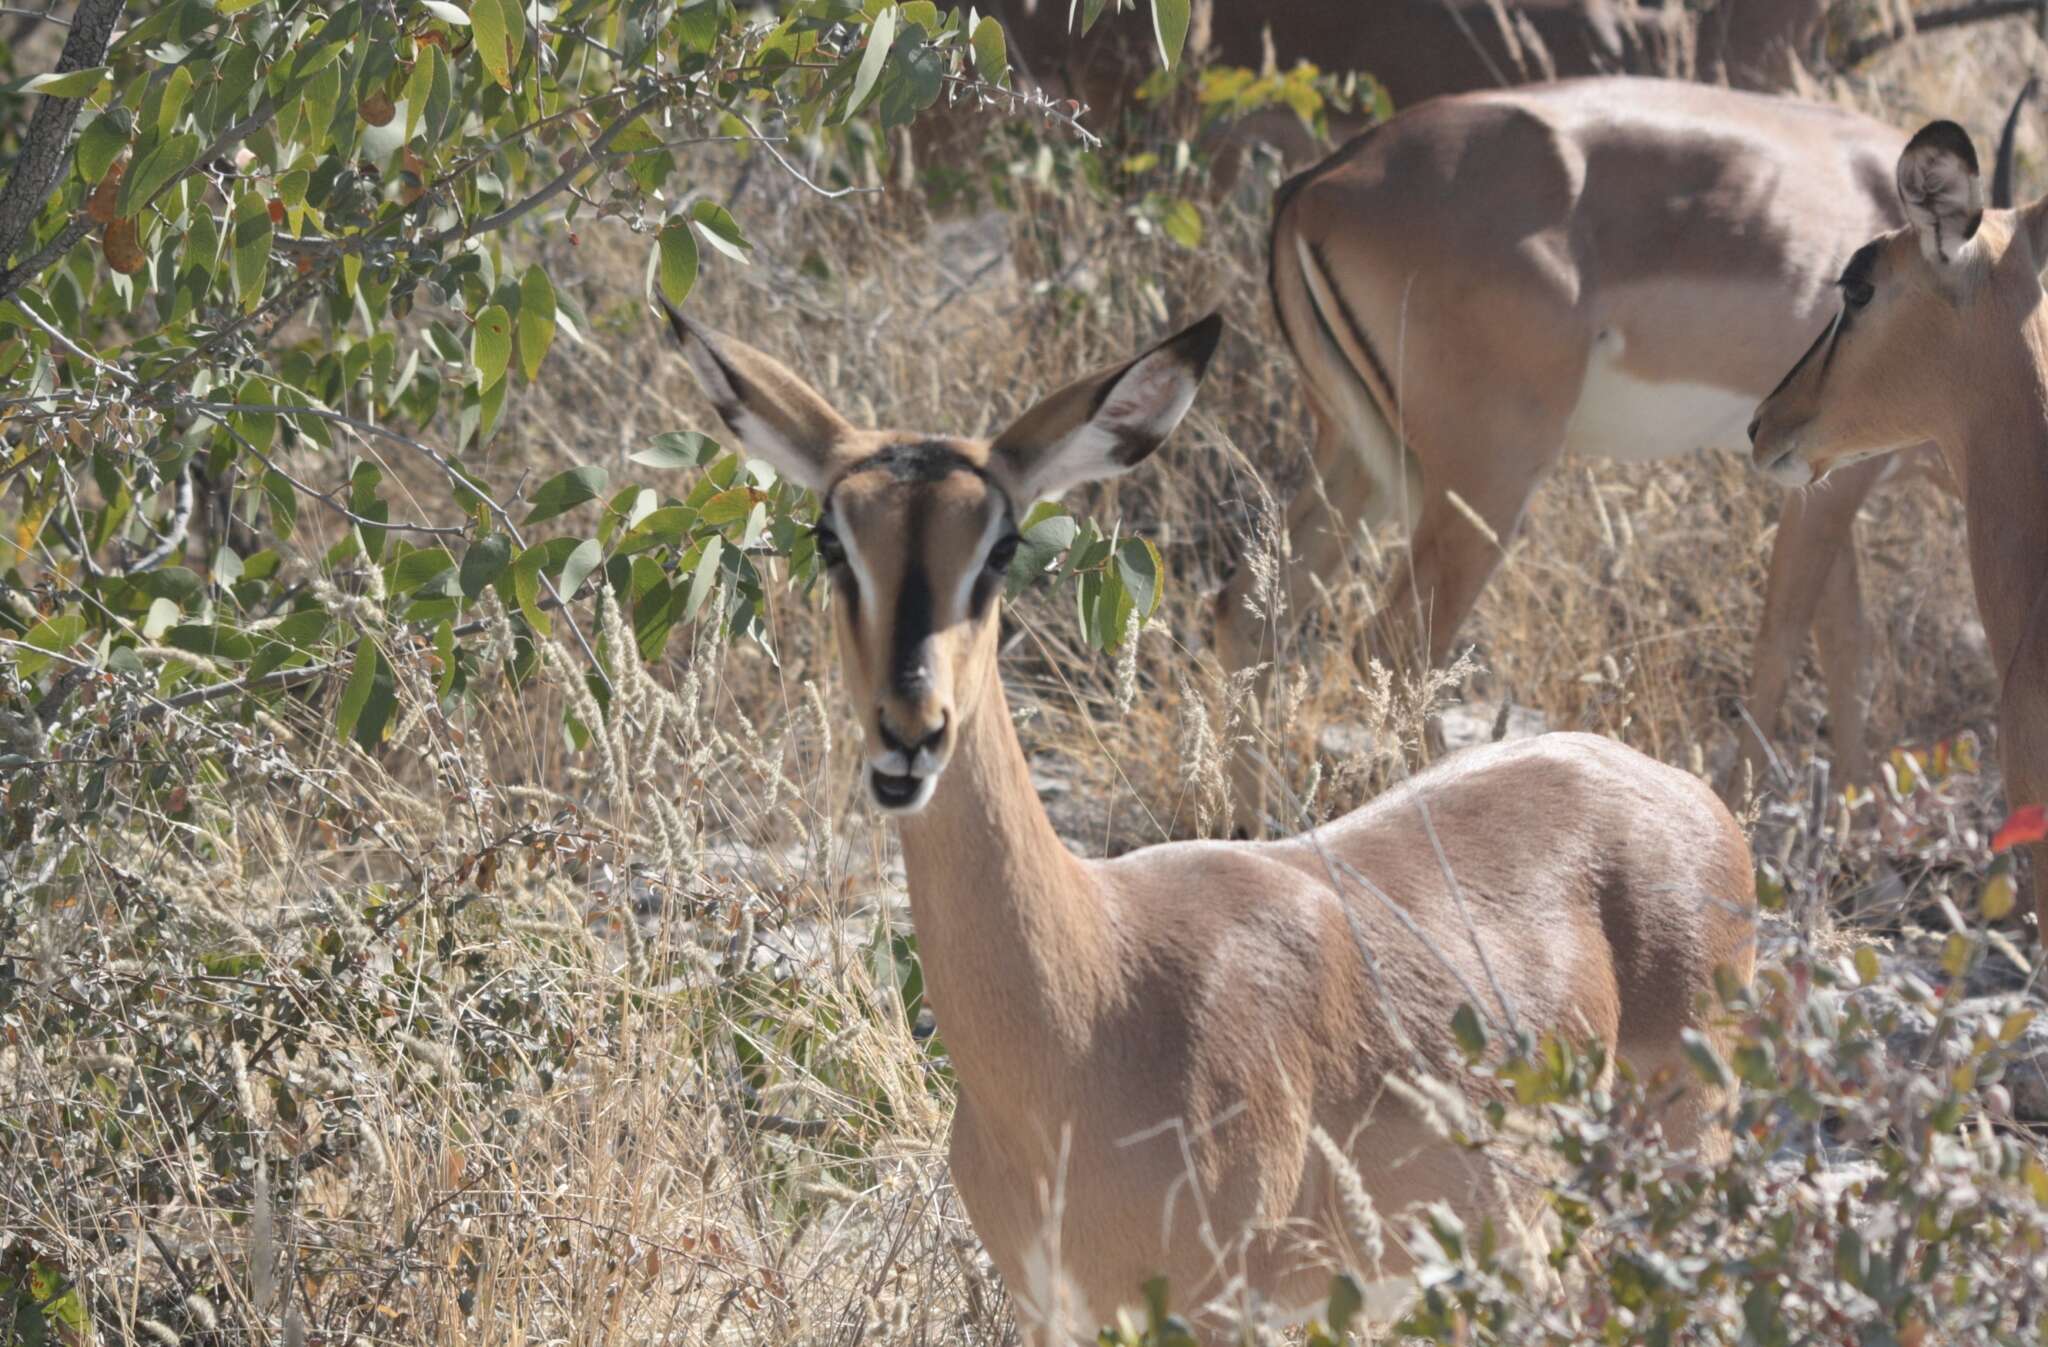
x,y
1903,358
917,533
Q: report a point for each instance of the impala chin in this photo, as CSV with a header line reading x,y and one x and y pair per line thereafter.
x,y
1790,469
901,793
1780,457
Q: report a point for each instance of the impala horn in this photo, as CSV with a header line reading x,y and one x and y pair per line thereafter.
x,y
2001,175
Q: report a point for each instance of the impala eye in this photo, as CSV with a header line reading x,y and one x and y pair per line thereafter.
x,y
1003,553
1856,293
830,550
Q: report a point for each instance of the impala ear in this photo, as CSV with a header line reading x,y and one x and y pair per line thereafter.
x,y
1107,423
2033,222
1942,191
778,417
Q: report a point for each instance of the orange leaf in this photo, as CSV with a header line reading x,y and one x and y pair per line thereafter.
x,y
2029,823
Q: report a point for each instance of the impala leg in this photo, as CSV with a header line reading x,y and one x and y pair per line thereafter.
x,y
1815,528
1450,558
1846,643
1319,523
2023,752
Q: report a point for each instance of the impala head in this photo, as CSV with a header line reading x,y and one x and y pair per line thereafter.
x,y
1929,327
917,531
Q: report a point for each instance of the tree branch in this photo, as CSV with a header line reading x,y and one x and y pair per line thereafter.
x,y
49,132
1978,11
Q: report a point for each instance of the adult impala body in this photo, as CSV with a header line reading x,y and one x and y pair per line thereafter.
x,y
1614,267
1940,331
1144,1044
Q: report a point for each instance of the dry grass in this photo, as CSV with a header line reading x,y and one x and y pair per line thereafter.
x,y
687,918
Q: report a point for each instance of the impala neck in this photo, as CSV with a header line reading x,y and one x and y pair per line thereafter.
x,y
1012,928
2001,460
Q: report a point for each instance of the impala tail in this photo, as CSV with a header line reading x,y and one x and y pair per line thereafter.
x,y
1343,369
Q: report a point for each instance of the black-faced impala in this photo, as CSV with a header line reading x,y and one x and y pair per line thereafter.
x,y
1145,1045
1618,268
1940,333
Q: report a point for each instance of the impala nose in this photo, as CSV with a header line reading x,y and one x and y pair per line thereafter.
x,y
913,748
1754,422
913,744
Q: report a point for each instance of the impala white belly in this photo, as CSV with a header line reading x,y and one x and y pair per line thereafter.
x,y
1621,416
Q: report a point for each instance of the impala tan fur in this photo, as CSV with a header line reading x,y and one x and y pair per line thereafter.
x,y
1618,268
1144,1044
1941,333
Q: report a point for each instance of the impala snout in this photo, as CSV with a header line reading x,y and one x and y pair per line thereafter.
x,y
911,743
1775,451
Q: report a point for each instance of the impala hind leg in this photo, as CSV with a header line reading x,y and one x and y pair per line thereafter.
x,y
1808,588
1320,522
1463,531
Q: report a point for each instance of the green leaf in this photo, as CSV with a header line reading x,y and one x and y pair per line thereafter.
x,y
580,564
677,449
211,640
706,575
721,231
1047,532
252,247
880,35
419,88
727,507
678,248
143,180
162,616
1170,29
69,84
54,634
536,319
1139,566
484,562
1183,224
490,345
368,700
1346,1300
177,91
1471,1035
500,27
364,501
525,577
991,52
566,491
417,567
1705,1058
98,146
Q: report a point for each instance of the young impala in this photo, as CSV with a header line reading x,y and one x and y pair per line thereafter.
x,y
1144,1044
1941,333
1615,267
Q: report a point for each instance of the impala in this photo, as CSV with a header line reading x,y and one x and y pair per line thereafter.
x,y
1940,333
1615,267
1144,1045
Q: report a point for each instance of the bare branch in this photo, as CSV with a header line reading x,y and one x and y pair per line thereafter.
x,y
49,132
1978,11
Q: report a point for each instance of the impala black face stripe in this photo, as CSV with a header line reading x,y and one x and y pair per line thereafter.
x,y
1860,266
908,673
